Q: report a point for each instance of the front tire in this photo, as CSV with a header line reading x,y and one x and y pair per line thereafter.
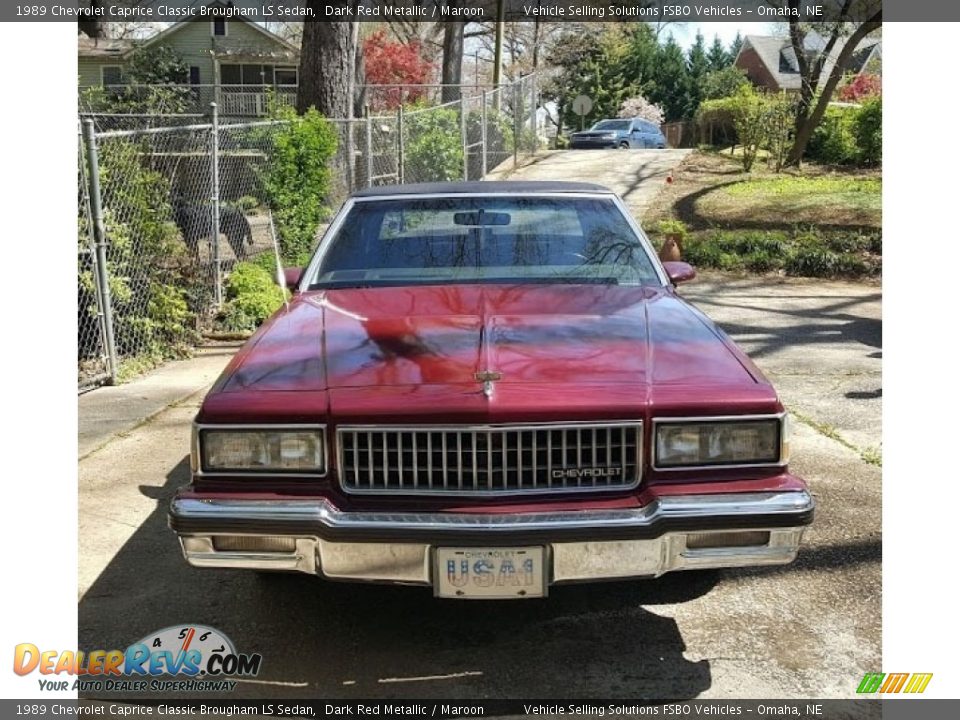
x,y
623,145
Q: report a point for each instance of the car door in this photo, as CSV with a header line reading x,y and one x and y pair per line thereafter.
x,y
637,139
655,138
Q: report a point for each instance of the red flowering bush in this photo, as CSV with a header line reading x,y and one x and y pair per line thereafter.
x,y
860,88
388,62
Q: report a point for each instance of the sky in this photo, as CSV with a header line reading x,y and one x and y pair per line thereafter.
x,y
685,33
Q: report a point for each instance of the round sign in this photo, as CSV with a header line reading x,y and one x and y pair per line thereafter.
x,y
582,105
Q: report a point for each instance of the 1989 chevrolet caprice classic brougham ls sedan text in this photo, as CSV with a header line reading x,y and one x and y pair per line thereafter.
x,y
489,388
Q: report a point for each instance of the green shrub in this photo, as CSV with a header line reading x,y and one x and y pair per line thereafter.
x,y
833,142
267,261
245,203
298,177
151,273
806,252
500,139
868,131
672,227
432,146
762,121
252,296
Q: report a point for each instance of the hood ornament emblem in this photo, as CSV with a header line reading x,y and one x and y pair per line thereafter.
x,y
487,377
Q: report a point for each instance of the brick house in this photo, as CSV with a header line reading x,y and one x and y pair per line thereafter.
x,y
771,63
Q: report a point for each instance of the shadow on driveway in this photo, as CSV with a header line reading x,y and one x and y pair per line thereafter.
x,y
338,640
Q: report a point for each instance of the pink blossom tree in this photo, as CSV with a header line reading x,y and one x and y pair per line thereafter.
x,y
640,107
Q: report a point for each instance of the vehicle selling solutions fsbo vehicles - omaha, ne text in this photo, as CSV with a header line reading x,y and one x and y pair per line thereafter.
x,y
489,388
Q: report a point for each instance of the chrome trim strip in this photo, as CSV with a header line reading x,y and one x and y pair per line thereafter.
x,y
323,512
196,465
488,430
657,421
413,563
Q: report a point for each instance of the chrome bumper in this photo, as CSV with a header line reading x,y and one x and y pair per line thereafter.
x,y
581,546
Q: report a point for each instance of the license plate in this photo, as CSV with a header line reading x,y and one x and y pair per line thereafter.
x,y
490,573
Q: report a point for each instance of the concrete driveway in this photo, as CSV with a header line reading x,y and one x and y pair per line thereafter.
x,y
636,175
808,630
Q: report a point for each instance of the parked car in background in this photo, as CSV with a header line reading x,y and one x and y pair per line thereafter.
x,y
621,133
488,389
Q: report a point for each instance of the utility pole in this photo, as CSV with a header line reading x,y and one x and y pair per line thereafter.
x,y
498,46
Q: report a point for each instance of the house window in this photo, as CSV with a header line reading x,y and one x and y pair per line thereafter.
x,y
249,74
231,74
218,27
255,75
194,75
285,76
111,75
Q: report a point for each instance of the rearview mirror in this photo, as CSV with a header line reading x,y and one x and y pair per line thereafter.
x,y
679,272
291,277
481,218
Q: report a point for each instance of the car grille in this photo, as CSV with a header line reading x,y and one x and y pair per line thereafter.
x,y
490,460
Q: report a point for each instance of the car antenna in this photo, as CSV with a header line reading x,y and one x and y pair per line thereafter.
x,y
281,280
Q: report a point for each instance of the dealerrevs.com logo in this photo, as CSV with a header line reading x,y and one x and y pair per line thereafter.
x,y
910,683
204,656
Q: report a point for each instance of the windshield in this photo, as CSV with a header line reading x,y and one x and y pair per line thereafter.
x,y
612,125
486,239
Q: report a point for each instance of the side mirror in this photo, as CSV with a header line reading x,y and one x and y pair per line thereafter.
x,y
291,277
679,272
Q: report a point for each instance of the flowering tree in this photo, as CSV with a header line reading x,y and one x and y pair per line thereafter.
x,y
860,88
392,63
640,107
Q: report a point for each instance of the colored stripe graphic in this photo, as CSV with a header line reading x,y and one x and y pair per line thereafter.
x,y
894,683
918,683
870,683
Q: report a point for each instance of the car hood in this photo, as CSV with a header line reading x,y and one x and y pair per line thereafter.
x,y
443,335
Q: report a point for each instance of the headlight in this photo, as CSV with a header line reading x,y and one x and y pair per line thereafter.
x,y
293,450
693,443
610,136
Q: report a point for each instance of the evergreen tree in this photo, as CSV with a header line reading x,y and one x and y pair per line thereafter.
x,y
717,56
698,65
672,81
641,59
735,46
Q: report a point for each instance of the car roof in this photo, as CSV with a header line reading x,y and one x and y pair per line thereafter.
x,y
518,187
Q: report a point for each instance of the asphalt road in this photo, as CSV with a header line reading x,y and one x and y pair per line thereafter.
x,y
807,630
635,175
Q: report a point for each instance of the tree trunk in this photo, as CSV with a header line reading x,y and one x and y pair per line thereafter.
x,y
536,45
807,119
360,74
452,61
93,28
327,66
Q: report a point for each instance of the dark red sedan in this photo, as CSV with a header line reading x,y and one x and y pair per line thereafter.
x,y
490,388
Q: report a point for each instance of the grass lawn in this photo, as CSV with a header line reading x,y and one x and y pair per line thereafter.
x,y
819,200
816,222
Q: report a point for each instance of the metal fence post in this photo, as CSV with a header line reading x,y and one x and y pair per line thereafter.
x,y
483,135
517,124
463,136
400,142
215,201
350,156
100,242
369,150
533,115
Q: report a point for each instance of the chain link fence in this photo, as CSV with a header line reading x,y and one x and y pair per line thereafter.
x,y
166,210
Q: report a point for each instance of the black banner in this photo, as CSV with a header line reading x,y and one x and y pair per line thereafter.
x,y
475,10
917,708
